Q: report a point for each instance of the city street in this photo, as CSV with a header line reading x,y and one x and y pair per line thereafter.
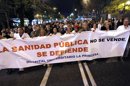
x,y
64,42
97,73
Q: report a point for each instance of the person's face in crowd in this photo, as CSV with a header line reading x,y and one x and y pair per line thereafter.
x,y
94,26
85,25
42,32
16,30
37,27
7,30
57,24
126,22
69,26
20,31
109,22
68,30
34,27
76,29
61,25
11,30
54,30
107,26
48,27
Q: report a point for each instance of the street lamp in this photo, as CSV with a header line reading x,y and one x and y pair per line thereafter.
x,y
75,9
93,10
45,12
54,8
38,16
59,13
72,14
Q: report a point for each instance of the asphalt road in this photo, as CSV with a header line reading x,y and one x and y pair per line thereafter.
x,y
95,73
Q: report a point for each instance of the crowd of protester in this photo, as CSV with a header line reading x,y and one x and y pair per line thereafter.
x,y
61,28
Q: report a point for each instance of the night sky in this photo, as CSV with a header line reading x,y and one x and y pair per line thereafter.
x,y
67,6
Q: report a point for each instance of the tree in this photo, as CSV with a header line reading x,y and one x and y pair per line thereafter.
x,y
29,8
97,5
116,7
25,8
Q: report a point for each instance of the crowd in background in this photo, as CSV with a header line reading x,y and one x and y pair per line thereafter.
x,y
62,28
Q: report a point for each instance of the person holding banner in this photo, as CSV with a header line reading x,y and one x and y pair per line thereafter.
x,y
42,32
55,32
6,33
61,28
85,27
68,29
94,27
48,29
76,30
21,34
125,27
106,26
36,31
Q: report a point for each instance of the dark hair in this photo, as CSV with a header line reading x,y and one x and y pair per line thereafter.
x,y
125,18
56,29
22,28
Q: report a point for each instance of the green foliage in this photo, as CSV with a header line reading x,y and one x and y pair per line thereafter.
x,y
115,6
25,8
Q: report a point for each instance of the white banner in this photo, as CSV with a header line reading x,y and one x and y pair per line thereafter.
x,y
23,53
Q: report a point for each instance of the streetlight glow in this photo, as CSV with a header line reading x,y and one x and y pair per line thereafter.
x,y
128,2
75,9
72,14
44,11
59,13
38,16
85,2
54,8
